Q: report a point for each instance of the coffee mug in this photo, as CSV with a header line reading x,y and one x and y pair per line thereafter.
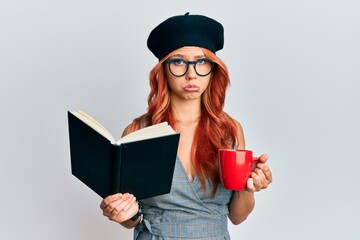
x,y
235,167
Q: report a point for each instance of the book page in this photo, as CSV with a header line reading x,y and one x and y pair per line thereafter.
x,y
157,130
95,125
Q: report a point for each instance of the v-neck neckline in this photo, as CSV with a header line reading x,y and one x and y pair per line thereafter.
x,y
185,173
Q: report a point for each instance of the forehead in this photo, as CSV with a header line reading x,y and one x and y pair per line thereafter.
x,y
188,52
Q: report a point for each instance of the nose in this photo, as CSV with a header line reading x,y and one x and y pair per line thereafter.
x,y
191,73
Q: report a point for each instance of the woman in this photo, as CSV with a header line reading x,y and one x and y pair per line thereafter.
x,y
188,90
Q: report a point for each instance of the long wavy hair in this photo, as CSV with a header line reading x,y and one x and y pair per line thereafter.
x,y
215,130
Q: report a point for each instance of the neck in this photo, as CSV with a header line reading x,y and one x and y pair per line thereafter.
x,y
186,111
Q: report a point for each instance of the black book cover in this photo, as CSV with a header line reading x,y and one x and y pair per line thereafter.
x,y
144,168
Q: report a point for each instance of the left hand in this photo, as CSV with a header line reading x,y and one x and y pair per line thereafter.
x,y
261,177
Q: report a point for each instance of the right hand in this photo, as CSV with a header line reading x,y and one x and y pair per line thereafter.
x,y
119,207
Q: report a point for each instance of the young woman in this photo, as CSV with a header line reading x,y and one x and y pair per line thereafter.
x,y
188,88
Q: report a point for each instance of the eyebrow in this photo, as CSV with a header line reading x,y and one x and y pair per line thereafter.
x,y
183,56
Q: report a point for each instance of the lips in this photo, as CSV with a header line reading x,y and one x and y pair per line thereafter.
x,y
191,88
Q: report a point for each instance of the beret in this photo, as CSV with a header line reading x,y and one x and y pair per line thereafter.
x,y
185,30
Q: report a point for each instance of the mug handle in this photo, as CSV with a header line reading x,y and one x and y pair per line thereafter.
x,y
255,161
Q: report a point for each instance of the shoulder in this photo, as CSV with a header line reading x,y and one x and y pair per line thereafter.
x,y
138,123
129,129
238,125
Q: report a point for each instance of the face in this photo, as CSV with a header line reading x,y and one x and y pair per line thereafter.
x,y
191,85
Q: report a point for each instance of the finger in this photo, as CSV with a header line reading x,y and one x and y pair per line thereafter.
x,y
120,206
125,205
109,199
263,180
250,185
121,212
132,203
266,170
257,181
263,158
119,201
111,206
131,209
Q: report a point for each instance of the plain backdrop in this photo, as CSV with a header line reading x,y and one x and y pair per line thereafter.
x,y
294,68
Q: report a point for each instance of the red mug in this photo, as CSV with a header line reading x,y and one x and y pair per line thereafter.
x,y
235,167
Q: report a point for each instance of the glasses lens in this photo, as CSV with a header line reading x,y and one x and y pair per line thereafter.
x,y
178,67
203,66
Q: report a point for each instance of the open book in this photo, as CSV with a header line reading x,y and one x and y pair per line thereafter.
x,y
141,163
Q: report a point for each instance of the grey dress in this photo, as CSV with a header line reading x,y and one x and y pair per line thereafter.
x,y
187,212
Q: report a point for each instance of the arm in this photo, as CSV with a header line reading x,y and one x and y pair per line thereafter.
x,y
242,203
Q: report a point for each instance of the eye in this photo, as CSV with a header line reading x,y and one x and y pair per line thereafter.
x,y
202,61
178,61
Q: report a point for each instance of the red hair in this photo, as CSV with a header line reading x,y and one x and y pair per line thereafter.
x,y
215,130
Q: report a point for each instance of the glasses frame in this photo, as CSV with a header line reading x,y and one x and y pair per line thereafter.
x,y
169,61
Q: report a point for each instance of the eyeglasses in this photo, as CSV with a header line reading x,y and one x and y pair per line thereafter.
x,y
179,67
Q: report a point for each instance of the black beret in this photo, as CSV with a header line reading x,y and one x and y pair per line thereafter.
x,y
186,30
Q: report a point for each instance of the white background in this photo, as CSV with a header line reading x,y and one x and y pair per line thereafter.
x,y
294,67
